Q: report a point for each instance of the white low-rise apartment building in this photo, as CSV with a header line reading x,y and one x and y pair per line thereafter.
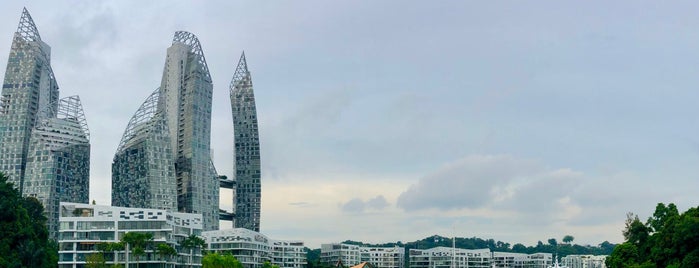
x,y
383,257
288,254
446,257
253,249
82,227
339,253
584,261
521,260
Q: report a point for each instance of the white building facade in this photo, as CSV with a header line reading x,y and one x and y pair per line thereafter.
x,y
444,257
253,249
521,260
346,254
383,257
82,227
584,261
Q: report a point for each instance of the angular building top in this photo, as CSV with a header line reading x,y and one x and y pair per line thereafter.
x,y
192,41
248,195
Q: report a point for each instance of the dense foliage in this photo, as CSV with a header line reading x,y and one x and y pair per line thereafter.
x,y
667,239
215,260
24,240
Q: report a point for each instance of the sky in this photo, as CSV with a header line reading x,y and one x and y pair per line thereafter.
x,y
385,121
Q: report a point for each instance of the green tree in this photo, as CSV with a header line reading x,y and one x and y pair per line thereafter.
x,y
96,260
165,251
192,242
269,265
568,239
137,243
24,238
215,260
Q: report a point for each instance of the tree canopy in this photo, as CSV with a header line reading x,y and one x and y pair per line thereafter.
x,y
215,260
667,239
24,240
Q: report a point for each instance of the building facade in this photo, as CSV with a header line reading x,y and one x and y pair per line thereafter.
x,y
521,260
29,89
584,261
58,163
444,257
143,169
83,227
185,100
248,191
288,253
339,253
253,249
383,257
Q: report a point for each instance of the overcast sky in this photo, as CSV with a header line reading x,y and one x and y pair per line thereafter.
x,y
384,121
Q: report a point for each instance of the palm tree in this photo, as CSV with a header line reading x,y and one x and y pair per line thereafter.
x,y
138,243
193,241
165,250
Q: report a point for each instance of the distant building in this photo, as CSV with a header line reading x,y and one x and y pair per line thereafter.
x,y
383,257
445,257
288,254
253,249
83,227
246,137
346,254
584,261
521,260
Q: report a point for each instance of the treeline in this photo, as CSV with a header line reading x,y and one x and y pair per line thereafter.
x,y
24,238
666,239
552,246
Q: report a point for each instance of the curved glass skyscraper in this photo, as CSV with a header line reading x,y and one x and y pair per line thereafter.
x,y
29,89
143,170
248,194
184,104
58,162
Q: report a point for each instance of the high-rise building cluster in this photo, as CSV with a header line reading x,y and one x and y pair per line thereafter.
x,y
163,160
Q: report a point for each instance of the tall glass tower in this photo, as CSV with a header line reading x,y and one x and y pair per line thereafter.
x,y
143,170
58,163
29,89
185,100
246,136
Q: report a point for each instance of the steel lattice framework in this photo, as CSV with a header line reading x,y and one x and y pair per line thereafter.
x,y
191,40
248,193
143,116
